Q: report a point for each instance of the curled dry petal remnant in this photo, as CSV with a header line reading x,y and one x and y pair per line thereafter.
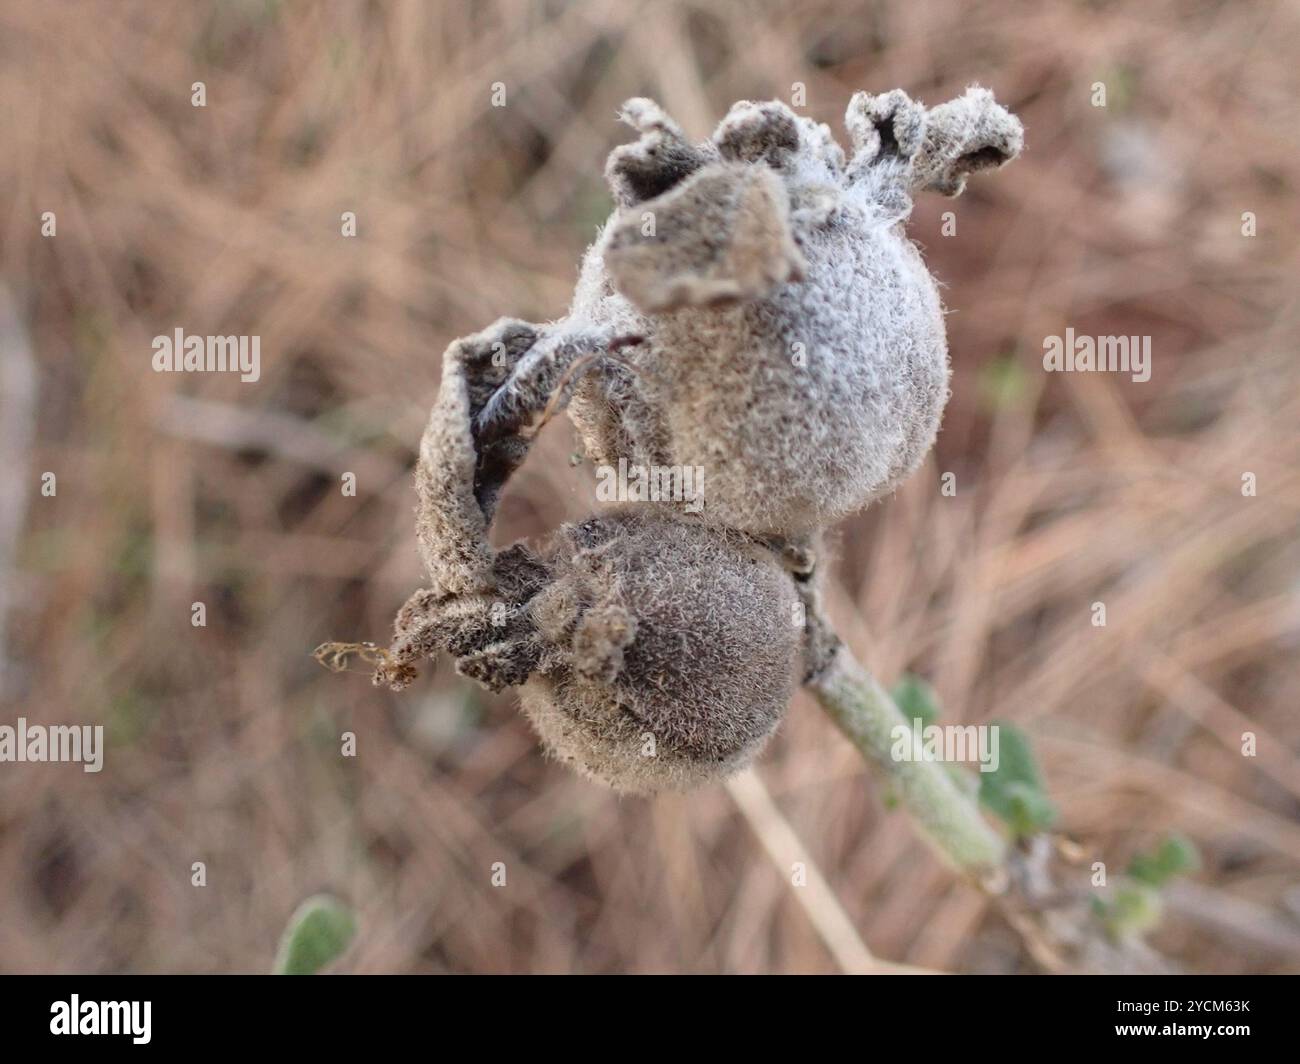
x,y
752,308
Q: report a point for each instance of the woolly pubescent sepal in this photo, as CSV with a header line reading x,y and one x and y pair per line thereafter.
x,y
724,236
673,651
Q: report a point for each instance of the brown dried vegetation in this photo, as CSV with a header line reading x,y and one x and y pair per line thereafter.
x,y
173,489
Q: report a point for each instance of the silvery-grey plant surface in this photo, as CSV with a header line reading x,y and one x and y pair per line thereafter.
x,y
791,339
753,308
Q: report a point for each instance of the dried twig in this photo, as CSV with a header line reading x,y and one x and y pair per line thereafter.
x,y
815,896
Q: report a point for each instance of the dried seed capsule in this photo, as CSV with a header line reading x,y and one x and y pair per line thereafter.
x,y
793,338
654,653
670,650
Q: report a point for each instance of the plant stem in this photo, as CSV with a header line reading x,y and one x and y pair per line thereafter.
x,y
1029,883
949,819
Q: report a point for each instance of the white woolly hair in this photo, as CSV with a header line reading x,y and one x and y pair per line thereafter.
x,y
791,339
753,309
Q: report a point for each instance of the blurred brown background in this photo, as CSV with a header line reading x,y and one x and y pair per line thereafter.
x,y
225,219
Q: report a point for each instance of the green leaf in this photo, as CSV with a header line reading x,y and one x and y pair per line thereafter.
x,y
1175,856
1015,757
1014,792
916,698
1028,809
319,931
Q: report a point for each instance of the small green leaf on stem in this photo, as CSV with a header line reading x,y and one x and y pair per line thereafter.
x,y
1175,856
1014,792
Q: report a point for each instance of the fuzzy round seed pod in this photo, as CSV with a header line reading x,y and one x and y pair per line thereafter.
x,y
670,651
654,653
792,339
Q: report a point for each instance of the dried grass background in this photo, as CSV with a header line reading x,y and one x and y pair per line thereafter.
x,y
224,740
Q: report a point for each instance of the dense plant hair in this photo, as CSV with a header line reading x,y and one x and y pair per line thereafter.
x,y
654,651
792,338
754,309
